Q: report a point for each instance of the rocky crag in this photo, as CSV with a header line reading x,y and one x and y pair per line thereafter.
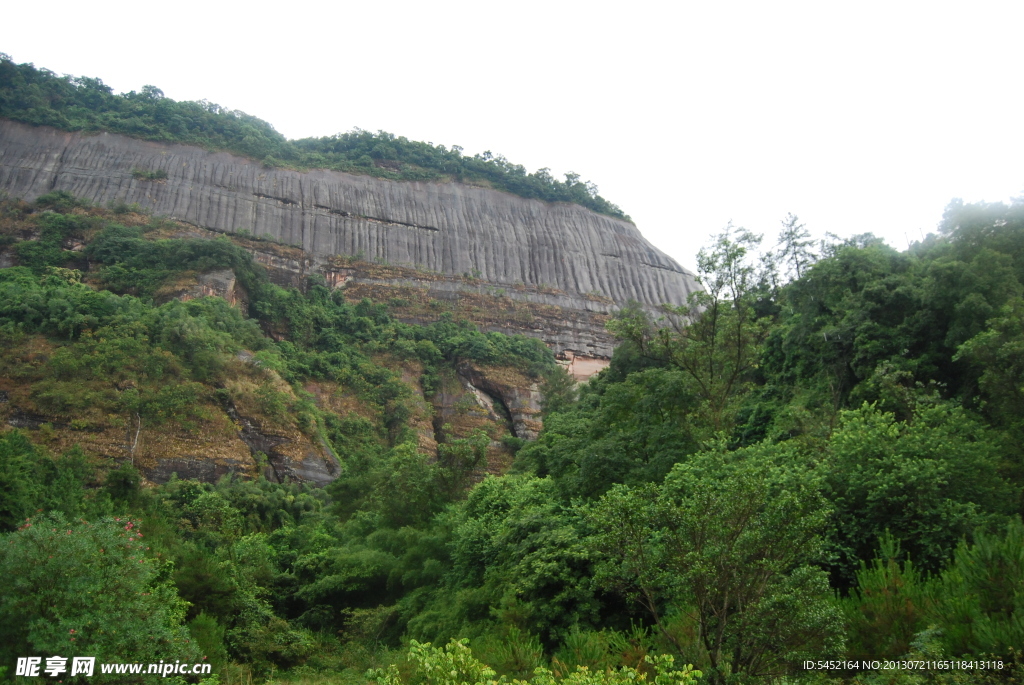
x,y
555,271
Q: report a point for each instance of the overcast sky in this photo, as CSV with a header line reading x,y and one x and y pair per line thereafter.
x,y
866,116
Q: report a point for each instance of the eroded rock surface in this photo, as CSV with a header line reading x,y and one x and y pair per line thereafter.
x,y
220,283
583,263
518,395
286,457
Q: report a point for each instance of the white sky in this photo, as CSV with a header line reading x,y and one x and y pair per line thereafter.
x,y
866,116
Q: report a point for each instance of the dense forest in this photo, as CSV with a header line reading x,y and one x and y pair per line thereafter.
x,y
818,458
40,97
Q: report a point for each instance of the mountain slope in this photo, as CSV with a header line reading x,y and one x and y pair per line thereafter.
x,y
584,263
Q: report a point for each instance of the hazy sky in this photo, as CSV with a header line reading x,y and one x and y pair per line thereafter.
x,y
866,116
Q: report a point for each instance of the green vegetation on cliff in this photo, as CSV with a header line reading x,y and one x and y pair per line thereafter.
x,y
96,357
40,97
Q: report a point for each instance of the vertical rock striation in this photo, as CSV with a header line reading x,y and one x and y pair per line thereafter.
x,y
588,263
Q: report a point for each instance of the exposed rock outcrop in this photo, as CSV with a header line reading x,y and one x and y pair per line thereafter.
x,y
519,396
580,366
283,458
197,467
220,283
556,255
462,409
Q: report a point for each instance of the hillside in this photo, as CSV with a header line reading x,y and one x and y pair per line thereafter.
x,y
579,264
177,382
546,259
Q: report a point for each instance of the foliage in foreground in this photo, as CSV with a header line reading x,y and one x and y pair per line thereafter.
x,y
455,665
730,542
74,587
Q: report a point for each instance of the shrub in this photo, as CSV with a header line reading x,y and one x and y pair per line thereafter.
x,y
143,175
87,588
455,665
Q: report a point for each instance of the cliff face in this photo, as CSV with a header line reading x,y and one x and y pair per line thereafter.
x,y
464,240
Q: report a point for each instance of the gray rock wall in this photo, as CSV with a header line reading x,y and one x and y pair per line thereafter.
x,y
445,227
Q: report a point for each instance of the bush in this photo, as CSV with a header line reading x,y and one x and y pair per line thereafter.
x,y
455,665
88,588
143,175
60,201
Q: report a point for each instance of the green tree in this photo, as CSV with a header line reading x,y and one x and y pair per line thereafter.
x,y
19,486
851,311
996,355
73,587
716,337
729,541
795,246
517,557
32,481
930,480
632,432
973,607
890,604
979,597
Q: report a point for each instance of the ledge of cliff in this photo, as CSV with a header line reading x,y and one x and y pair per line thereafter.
x,y
560,269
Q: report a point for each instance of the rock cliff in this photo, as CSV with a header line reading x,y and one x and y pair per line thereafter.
x,y
451,239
